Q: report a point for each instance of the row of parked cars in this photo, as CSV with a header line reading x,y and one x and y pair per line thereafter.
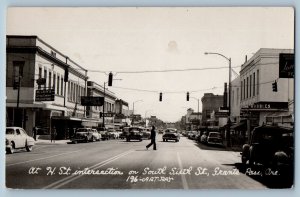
x,y
209,138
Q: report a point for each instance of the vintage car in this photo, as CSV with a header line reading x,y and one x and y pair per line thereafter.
x,y
82,135
17,138
171,134
214,138
270,146
134,134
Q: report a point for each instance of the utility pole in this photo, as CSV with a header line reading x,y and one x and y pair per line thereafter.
x,y
103,118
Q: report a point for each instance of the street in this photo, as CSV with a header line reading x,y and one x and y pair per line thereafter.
x,y
117,164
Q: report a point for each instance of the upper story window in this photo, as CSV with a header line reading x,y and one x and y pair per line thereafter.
x,y
17,72
45,76
250,86
62,87
58,81
257,90
40,76
241,89
254,84
49,81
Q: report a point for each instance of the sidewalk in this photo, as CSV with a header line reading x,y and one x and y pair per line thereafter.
x,y
56,142
46,140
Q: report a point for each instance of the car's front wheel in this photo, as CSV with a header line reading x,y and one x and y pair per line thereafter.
x,y
28,148
11,150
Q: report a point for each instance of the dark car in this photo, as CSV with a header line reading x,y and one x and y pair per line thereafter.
x,y
214,138
270,146
171,134
134,135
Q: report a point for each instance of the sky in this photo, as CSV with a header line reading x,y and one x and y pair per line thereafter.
x,y
133,39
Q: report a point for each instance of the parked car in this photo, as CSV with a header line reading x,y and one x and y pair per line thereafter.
x,y
103,132
134,134
270,146
82,135
214,138
96,135
17,138
192,135
171,134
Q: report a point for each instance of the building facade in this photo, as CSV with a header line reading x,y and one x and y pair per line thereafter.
x,y
258,100
210,103
93,112
44,89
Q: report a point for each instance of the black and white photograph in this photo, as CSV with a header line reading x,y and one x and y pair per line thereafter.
x,y
150,98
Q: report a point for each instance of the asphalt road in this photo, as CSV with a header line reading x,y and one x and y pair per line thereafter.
x,y
117,164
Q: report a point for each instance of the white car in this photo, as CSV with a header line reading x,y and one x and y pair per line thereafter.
x,y
17,138
96,135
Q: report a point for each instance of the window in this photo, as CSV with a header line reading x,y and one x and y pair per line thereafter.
x,y
242,90
49,81
250,86
253,84
257,83
40,76
62,86
17,70
237,96
45,76
69,90
247,87
58,81
54,81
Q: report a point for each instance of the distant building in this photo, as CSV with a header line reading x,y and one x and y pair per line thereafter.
x,y
96,90
210,103
122,111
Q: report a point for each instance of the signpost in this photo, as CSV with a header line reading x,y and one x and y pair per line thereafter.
x,y
286,65
92,101
44,95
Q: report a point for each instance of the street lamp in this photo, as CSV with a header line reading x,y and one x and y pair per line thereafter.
x,y
229,87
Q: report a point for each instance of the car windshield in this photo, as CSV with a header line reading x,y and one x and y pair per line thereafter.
x,y
9,131
214,135
171,131
134,129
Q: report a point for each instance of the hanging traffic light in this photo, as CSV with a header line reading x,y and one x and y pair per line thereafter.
x,y
110,79
160,96
187,96
274,86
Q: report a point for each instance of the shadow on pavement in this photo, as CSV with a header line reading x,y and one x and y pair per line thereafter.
x,y
267,176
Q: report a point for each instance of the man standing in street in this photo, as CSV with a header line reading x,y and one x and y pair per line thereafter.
x,y
152,137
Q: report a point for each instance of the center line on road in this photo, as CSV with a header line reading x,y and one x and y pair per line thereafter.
x,y
71,178
183,179
42,158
